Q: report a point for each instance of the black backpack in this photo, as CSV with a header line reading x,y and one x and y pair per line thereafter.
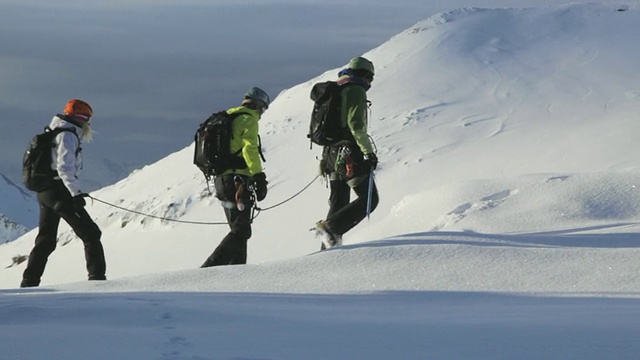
x,y
325,127
212,153
37,174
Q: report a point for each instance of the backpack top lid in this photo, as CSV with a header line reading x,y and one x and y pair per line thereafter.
x,y
322,91
325,127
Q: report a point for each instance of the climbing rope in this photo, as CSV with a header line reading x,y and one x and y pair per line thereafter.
x,y
292,197
255,211
157,217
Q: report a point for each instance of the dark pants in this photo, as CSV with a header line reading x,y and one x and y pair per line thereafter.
x,y
232,250
56,203
344,215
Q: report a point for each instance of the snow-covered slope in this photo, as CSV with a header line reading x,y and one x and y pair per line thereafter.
x,y
18,210
495,121
507,227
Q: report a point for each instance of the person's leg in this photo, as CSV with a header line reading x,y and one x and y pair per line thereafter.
x,y
339,197
89,232
241,228
349,216
45,243
233,247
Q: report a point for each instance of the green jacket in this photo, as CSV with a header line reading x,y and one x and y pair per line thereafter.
x,y
245,140
354,115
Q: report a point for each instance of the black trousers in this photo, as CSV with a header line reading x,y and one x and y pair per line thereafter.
x,y
345,214
56,203
232,250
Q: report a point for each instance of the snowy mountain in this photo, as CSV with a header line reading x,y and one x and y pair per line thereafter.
x,y
146,78
9,229
18,210
507,226
466,115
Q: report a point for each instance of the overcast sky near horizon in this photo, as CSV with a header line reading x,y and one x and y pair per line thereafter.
x,y
162,64
170,60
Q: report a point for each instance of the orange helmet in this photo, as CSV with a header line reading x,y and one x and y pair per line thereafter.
x,y
78,107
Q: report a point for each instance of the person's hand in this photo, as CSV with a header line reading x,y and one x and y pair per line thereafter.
x,y
371,161
260,181
78,200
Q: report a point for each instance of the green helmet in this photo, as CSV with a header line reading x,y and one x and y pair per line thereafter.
x,y
360,63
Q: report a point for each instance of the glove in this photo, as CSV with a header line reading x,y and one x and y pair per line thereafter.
x,y
371,161
78,200
260,181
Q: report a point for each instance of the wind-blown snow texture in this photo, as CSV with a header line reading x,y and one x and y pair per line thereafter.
x,y
507,228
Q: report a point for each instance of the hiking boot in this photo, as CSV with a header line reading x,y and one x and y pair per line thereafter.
x,y
97,277
28,283
327,236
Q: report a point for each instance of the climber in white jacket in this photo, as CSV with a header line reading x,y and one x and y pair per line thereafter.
x,y
65,199
66,153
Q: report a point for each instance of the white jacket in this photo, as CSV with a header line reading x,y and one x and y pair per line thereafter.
x,y
66,157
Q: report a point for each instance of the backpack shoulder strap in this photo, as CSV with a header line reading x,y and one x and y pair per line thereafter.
x,y
320,92
236,114
58,130
233,117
